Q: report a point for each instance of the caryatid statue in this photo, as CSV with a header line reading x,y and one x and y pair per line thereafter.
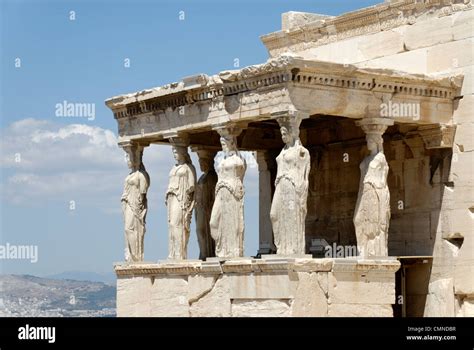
x,y
205,194
180,202
372,211
227,217
134,203
288,211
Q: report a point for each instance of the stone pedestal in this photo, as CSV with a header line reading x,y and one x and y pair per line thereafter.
x,y
257,287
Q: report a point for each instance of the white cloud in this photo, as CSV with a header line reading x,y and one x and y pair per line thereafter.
x,y
31,144
59,163
43,162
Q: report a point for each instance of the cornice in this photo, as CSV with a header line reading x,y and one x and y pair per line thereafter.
x,y
283,71
368,20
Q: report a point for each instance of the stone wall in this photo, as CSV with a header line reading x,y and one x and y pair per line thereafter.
x,y
258,288
438,218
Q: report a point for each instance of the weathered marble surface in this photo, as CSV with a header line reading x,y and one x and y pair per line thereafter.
x,y
258,288
180,203
134,204
431,205
227,217
288,211
372,211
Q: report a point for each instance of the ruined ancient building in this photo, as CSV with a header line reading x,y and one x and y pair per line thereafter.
x,y
376,112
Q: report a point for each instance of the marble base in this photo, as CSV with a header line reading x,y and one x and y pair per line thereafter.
x,y
245,287
221,259
285,257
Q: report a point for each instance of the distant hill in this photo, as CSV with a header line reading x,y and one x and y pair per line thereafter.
x,y
31,296
107,278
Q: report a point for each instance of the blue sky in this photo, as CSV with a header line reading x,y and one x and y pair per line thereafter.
x,y
76,159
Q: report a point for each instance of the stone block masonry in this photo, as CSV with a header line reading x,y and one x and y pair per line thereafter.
x,y
258,288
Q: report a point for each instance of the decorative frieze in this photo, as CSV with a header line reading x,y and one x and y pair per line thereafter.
x,y
249,265
151,269
282,71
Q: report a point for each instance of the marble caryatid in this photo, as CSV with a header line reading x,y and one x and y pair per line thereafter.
x,y
180,202
134,203
227,217
288,210
205,194
372,211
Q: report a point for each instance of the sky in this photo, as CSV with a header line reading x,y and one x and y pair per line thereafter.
x,y
61,177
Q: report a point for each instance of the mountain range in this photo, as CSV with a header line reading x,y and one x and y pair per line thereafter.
x,y
106,277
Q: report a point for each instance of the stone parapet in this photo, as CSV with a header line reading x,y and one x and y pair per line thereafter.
x,y
257,287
